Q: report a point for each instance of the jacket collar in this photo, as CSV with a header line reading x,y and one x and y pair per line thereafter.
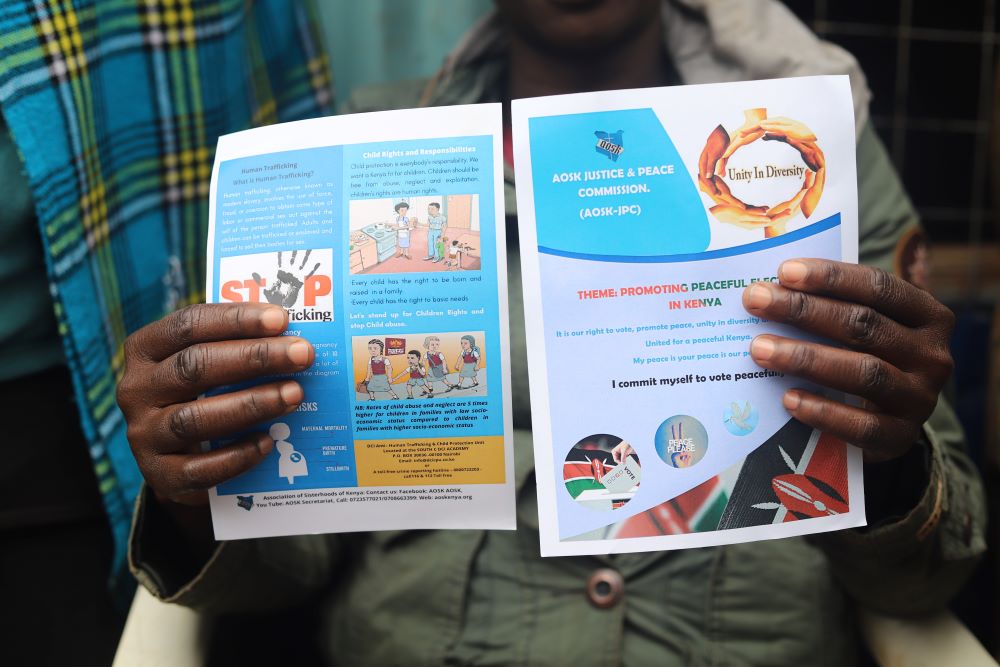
x,y
707,40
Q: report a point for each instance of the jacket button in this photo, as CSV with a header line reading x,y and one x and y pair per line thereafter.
x,y
605,588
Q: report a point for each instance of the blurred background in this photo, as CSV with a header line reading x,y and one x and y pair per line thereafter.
x,y
933,69
399,39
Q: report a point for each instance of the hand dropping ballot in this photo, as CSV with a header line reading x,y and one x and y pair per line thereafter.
x,y
620,484
643,216
406,421
623,478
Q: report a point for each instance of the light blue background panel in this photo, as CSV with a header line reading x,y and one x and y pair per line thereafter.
x,y
665,217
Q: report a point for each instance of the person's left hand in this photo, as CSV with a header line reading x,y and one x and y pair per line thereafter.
x,y
895,353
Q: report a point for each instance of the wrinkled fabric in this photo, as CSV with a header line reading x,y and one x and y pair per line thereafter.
x,y
488,598
115,108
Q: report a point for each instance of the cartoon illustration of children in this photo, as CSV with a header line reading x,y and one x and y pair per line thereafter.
x,y
453,258
379,370
402,227
468,362
418,375
439,249
437,365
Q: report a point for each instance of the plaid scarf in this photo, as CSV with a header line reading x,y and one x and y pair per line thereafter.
x,y
116,106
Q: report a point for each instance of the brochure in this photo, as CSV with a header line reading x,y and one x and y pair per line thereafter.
x,y
382,235
643,215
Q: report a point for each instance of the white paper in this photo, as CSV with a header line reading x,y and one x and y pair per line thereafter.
x,y
406,421
643,216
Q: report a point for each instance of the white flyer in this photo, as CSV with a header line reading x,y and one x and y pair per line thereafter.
x,y
382,235
644,214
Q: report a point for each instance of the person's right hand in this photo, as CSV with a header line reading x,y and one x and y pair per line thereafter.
x,y
622,451
169,363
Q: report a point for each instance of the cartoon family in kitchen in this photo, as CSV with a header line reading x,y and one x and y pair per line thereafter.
x,y
394,235
425,372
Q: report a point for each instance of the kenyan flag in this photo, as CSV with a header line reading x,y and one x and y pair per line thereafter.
x,y
694,511
797,474
578,471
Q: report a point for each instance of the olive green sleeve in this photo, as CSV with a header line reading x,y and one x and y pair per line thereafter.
x,y
240,575
916,563
885,213
913,561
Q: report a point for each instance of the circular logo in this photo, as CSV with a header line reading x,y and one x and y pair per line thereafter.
x,y
740,418
295,457
601,472
720,146
681,441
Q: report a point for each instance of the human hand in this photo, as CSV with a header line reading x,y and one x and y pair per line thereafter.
x,y
284,291
622,451
682,459
169,363
895,353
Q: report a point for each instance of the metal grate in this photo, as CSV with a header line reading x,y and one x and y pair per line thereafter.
x,y
932,67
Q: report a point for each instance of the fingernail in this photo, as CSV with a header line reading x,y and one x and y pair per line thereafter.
x,y
298,352
264,444
793,272
791,400
759,297
273,319
291,393
762,348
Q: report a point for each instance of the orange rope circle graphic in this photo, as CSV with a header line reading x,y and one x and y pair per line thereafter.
x,y
721,145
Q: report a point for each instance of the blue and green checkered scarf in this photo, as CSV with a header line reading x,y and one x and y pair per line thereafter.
x,y
116,106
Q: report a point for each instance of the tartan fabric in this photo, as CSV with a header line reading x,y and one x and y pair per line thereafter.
x,y
115,106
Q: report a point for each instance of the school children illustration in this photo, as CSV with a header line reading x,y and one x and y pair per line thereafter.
x,y
437,365
468,362
453,256
379,370
418,375
439,248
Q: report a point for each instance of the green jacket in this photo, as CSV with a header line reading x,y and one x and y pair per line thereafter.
x,y
487,598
